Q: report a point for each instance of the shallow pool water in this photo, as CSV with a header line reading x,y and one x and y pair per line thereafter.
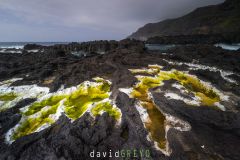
x,y
159,47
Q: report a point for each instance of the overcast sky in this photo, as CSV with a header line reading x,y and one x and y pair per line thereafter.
x,y
83,20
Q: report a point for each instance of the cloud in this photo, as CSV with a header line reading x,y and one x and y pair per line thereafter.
x,y
111,17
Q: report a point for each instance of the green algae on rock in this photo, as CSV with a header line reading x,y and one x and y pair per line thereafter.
x,y
37,106
154,120
207,95
85,96
108,107
5,100
33,123
90,97
38,116
8,96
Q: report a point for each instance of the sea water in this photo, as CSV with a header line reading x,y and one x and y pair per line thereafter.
x,y
17,47
165,47
159,47
232,47
20,45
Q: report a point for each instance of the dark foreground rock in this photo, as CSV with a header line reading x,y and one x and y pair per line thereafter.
x,y
211,130
214,134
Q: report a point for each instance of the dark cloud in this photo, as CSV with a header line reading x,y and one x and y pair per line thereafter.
x,y
38,20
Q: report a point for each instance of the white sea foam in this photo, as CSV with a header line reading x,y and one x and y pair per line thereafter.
x,y
12,46
10,51
33,51
2,50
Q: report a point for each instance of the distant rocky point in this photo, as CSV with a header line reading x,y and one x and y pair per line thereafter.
x,y
220,23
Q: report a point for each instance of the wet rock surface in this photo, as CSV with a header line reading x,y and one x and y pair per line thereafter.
x,y
214,134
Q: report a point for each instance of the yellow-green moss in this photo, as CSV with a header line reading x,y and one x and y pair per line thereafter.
x,y
8,96
37,106
80,100
32,123
155,123
75,104
206,94
156,120
29,126
106,107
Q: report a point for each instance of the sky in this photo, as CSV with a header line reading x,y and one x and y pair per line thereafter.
x,y
84,20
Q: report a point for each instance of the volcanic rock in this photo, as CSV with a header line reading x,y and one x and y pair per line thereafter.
x,y
214,134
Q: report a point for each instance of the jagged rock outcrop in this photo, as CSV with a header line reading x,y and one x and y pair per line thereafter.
x,y
85,48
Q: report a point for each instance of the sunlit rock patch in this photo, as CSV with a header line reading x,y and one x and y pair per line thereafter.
x,y
154,120
92,97
11,95
49,80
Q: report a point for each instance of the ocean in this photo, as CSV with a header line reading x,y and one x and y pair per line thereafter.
x,y
232,47
20,45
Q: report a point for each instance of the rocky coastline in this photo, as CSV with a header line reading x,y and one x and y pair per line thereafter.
x,y
228,38
199,131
